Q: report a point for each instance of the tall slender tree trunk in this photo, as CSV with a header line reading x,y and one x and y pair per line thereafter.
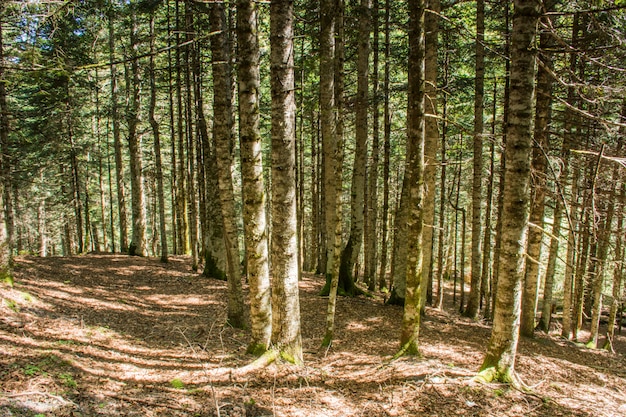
x,y
543,117
618,268
350,253
371,236
191,116
473,303
499,363
5,195
431,21
172,120
117,141
254,216
223,139
157,148
443,186
138,242
183,180
485,280
331,91
604,240
409,336
501,185
286,337
386,151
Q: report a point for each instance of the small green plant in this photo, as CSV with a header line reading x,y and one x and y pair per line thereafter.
x,y
40,415
250,402
68,380
177,383
27,297
498,392
12,305
30,369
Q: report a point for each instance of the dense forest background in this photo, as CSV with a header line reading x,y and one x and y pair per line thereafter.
x,y
125,129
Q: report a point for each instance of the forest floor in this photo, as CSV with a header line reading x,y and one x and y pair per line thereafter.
x,y
110,335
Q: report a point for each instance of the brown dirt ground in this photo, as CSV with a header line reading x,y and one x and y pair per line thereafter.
x,y
109,335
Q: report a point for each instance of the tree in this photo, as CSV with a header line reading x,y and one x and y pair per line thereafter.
x,y
415,173
5,242
473,303
254,217
157,147
138,240
286,337
224,144
350,253
331,90
499,362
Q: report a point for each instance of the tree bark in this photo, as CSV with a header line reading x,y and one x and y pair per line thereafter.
x,y
350,253
331,91
409,338
371,236
117,142
473,302
5,207
386,152
499,363
254,216
223,140
543,117
138,242
431,21
286,337
157,148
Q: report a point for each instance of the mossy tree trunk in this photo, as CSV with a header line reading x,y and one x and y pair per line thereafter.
x,y
286,337
254,216
409,336
499,362
224,147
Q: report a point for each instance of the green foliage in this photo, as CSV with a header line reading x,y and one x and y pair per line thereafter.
x,y
177,383
68,380
12,305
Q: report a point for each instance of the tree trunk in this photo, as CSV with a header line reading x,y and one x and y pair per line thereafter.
x,y
619,254
224,143
473,303
172,120
183,180
371,237
117,141
386,152
543,117
5,207
350,253
254,217
604,240
409,338
499,363
157,148
286,337
138,242
331,90
431,146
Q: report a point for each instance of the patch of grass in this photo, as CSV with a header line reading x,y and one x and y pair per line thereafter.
x,y
30,370
177,383
68,380
12,305
27,297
